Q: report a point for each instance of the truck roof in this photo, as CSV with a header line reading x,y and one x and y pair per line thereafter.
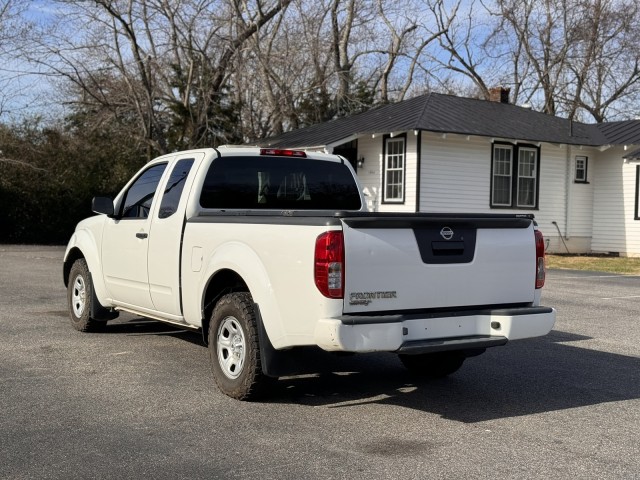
x,y
250,150
233,150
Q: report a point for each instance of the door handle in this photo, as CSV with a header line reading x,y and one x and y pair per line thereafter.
x,y
141,235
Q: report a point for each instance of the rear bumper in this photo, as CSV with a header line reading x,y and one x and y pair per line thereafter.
x,y
433,332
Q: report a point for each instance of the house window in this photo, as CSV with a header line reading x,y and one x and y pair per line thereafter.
x,y
394,163
514,176
581,169
527,167
502,160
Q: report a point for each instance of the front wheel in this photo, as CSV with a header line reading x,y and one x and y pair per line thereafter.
x,y
234,350
79,298
434,365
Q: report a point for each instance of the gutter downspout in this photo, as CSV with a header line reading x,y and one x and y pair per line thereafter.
x,y
567,203
418,168
559,233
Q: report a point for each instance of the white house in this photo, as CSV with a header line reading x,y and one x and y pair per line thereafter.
x,y
442,153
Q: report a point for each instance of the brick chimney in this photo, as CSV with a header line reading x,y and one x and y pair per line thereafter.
x,y
499,94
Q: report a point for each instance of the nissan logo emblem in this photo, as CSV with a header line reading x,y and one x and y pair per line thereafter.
x,y
446,233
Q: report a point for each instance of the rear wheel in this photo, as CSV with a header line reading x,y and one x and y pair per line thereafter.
x,y
434,365
80,296
234,350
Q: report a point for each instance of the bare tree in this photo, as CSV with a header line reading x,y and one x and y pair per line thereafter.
x,y
186,73
12,30
287,67
570,56
308,65
408,37
166,64
462,50
604,69
545,30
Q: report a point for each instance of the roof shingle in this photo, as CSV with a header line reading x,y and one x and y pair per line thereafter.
x,y
621,133
450,114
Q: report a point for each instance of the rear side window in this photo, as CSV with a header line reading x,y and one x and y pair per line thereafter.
x,y
175,185
275,183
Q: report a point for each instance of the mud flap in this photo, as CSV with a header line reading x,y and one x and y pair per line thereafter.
x,y
98,312
275,363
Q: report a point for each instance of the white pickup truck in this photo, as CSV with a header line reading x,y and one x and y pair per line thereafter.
x,y
267,250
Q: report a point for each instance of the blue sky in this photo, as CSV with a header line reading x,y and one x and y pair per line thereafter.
x,y
22,91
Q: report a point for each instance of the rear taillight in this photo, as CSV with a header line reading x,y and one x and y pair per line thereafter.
x,y
329,264
539,259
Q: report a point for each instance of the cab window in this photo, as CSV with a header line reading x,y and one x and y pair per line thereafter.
x,y
175,186
279,183
137,200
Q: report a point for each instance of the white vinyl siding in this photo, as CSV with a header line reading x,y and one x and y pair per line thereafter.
x,y
614,226
455,178
394,170
580,196
455,174
371,174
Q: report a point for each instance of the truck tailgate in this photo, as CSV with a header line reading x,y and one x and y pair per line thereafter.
x,y
397,263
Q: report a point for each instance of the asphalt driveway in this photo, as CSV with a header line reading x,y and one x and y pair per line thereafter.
x,y
138,401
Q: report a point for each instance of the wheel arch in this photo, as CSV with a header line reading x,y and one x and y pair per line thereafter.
x,y
234,266
83,245
220,283
72,255
98,312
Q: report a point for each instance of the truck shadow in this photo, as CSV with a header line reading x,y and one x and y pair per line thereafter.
x,y
522,378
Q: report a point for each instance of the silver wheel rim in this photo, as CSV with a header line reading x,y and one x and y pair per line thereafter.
x,y
79,296
231,345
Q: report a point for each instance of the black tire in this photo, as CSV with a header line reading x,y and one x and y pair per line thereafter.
x,y
433,365
234,348
80,298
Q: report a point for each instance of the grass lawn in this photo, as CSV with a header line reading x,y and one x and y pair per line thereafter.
x,y
624,265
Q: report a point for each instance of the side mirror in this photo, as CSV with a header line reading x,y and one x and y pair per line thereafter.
x,y
102,205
